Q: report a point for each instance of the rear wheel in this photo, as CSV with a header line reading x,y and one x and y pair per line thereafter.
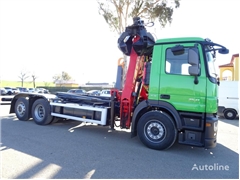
x,y
157,130
230,114
21,109
41,112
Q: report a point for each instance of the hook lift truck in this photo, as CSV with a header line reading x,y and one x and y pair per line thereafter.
x,y
170,93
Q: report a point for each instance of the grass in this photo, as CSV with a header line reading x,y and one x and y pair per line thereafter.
x,y
26,84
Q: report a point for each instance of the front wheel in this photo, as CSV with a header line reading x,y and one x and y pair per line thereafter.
x,y
157,130
41,112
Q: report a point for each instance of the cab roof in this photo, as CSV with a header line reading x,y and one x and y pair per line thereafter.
x,y
179,39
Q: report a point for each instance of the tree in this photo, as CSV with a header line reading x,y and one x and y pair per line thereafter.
x,y
61,78
119,13
34,77
23,76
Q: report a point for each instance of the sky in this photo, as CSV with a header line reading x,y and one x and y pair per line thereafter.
x,y
46,37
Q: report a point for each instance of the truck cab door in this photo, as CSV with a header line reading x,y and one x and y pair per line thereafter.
x,y
182,80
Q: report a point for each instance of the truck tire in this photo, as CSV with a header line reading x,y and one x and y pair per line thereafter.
x,y
21,109
230,114
157,130
41,112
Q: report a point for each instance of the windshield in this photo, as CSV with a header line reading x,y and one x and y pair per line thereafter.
x,y
211,64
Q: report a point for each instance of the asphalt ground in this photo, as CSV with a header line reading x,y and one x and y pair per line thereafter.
x,y
70,150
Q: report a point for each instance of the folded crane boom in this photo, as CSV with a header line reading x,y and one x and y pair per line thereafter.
x,y
136,43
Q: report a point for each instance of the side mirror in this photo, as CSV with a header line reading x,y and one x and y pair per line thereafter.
x,y
223,51
193,57
193,70
193,60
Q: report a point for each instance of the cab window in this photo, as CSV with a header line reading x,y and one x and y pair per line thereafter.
x,y
177,63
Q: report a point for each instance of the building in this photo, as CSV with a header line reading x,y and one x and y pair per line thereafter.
x,y
233,67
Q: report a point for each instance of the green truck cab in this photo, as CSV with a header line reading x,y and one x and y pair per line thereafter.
x,y
183,87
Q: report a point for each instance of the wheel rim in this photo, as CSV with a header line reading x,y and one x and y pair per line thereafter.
x,y
155,131
230,114
21,109
39,112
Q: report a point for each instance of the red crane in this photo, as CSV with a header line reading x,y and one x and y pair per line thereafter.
x,y
134,42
